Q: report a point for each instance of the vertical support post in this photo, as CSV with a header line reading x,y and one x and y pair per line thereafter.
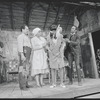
x,y
94,66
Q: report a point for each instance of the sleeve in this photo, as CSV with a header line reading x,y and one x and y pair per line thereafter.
x,y
77,42
48,39
20,43
35,45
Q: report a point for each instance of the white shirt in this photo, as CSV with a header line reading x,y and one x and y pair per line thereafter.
x,y
23,40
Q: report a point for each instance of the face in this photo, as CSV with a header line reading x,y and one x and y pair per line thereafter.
x,y
73,29
26,30
52,32
39,33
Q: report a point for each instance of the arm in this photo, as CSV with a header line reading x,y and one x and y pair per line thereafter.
x,y
20,41
77,42
20,44
35,46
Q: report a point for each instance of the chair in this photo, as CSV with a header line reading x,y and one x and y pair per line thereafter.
x,y
12,70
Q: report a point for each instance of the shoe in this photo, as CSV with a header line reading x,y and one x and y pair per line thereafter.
x,y
43,84
52,86
79,83
39,85
70,83
28,86
62,85
24,89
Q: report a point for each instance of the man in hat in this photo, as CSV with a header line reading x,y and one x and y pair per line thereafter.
x,y
24,50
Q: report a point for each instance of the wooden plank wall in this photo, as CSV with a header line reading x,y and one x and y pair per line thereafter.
x,y
41,14
10,44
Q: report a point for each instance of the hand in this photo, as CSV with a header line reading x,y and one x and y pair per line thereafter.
x,y
44,44
23,58
67,40
49,50
30,61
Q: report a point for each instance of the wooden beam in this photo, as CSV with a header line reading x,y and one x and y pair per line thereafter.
x,y
67,23
69,16
11,16
58,10
28,9
42,6
52,4
47,15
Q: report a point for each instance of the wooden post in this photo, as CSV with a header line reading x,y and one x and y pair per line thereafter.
x,y
94,66
47,13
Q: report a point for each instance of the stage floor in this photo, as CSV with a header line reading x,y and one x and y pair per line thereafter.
x,y
11,90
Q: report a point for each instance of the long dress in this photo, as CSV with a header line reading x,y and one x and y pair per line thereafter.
x,y
56,55
39,59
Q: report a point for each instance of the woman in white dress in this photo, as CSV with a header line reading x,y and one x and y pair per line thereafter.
x,y
39,58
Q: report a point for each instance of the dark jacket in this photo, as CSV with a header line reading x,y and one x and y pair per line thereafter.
x,y
74,45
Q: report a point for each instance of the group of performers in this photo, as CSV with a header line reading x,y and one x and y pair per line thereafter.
x,y
34,54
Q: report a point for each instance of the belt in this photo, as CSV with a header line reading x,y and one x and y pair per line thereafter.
x,y
26,46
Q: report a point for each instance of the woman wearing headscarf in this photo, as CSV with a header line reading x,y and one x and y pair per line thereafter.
x,y
39,58
56,55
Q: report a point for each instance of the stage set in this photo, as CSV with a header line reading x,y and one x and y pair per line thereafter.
x,y
12,90
42,14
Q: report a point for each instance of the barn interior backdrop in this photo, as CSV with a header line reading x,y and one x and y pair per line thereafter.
x,y
15,13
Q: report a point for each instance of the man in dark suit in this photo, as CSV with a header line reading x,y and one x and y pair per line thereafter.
x,y
72,53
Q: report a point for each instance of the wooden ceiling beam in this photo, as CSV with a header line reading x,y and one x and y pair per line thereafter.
x,y
57,17
28,9
42,6
70,13
47,13
11,16
52,4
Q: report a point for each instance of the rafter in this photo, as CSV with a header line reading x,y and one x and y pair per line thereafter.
x,y
42,6
47,15
52,4
11,16
58,10
71,12
28,9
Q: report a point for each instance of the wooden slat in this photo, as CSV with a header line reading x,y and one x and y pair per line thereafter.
x,y
16,92
3,6
38,11
18,11
37,17
40,24
37,20
7,90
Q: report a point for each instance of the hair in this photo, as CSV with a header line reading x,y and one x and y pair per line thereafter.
x,y
53,27
23,27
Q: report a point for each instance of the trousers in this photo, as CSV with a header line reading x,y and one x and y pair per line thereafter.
x,y
24,68
76,58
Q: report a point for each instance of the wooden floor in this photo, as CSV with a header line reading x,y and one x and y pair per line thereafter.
x,y
11,90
